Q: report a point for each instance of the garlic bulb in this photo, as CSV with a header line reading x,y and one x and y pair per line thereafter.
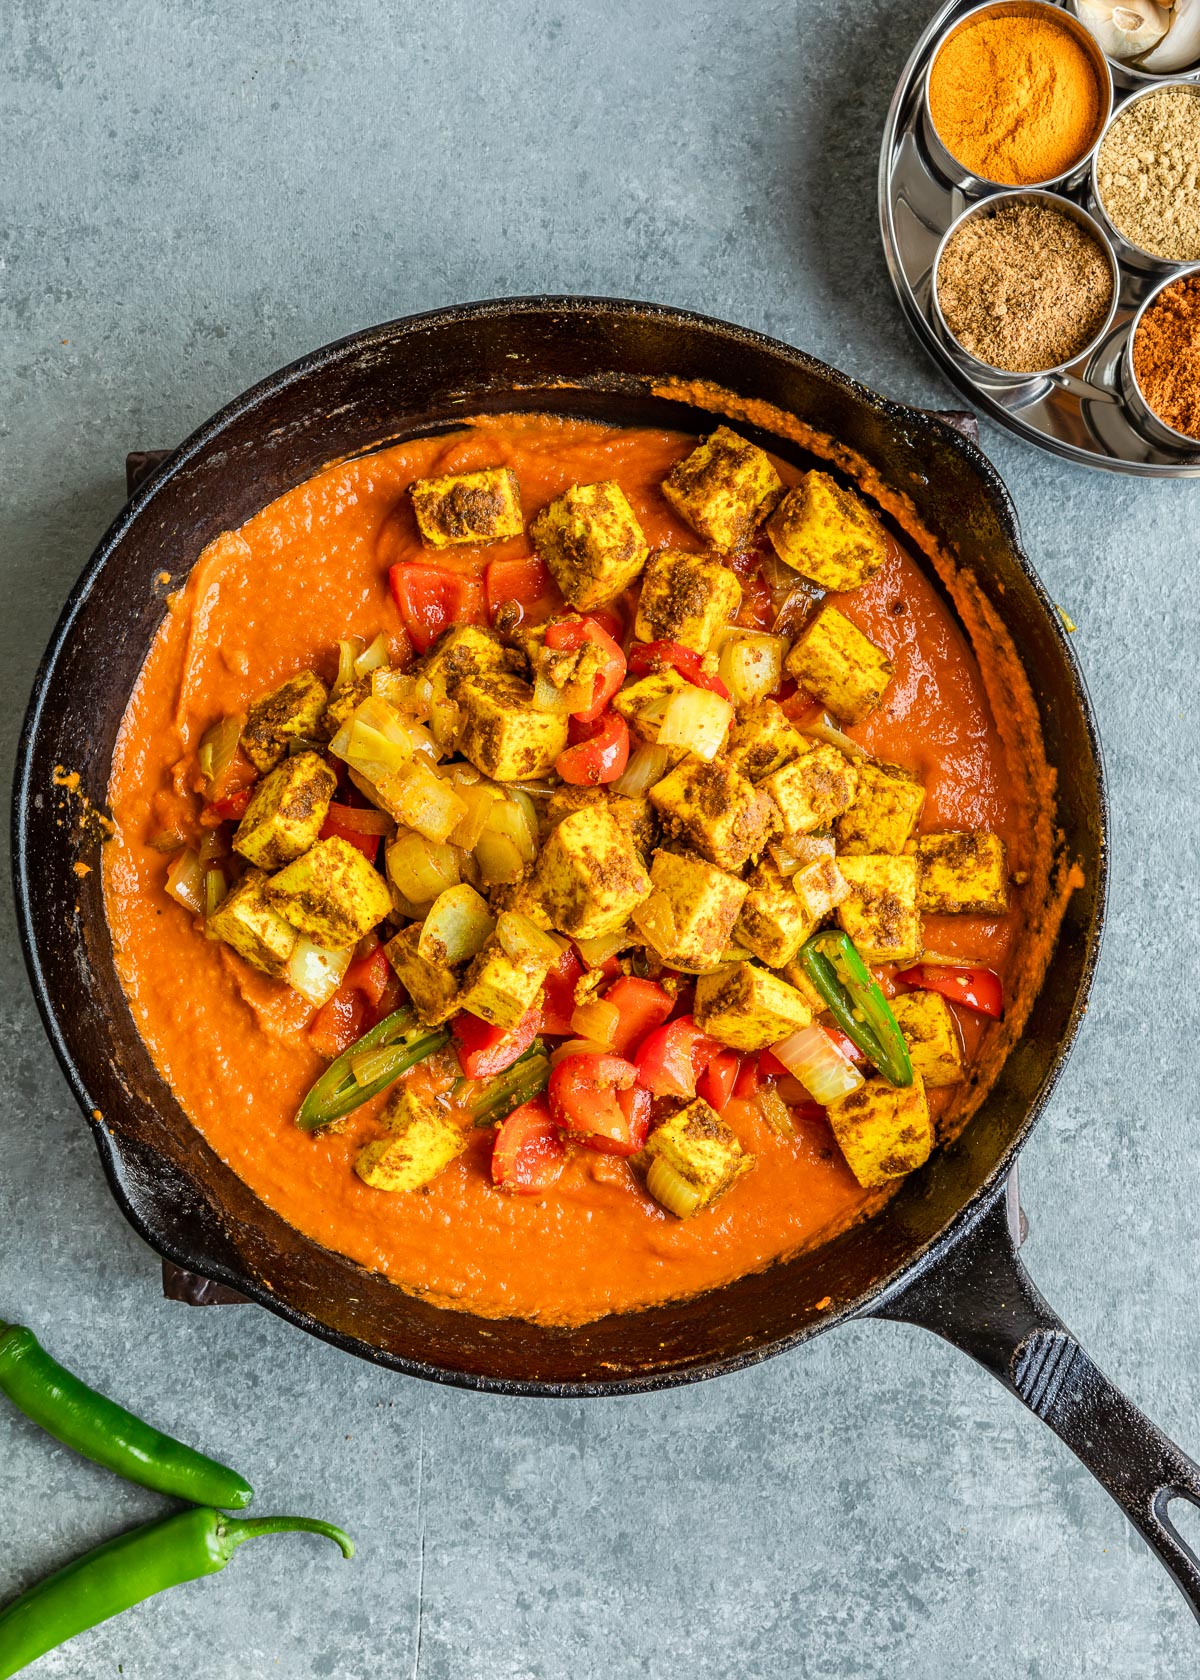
x,y
1180,48
1125,31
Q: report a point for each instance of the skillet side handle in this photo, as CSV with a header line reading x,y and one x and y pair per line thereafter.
x,y
981,1299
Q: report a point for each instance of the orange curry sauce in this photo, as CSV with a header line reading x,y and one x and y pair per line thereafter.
x,y
274,597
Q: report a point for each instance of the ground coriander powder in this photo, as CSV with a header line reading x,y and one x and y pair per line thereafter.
x,y
1148,172
1025,288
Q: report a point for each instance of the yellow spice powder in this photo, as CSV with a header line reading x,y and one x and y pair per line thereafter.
x,y
1015,99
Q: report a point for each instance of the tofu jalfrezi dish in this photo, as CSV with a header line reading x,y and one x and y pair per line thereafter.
x,y
566,867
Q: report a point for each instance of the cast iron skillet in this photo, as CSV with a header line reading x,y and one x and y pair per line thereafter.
x,y
942,1254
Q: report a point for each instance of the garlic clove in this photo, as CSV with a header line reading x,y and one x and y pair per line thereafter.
x,y
1125,31
1180,49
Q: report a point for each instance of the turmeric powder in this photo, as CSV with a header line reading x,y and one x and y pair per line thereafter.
x,y
1015,98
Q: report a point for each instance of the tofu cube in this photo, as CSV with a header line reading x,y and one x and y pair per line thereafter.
x,y
961,874
463,652
247,921
285,815
343,704
473,507
642,703
291,712
813,789
501,733
762,739
883,1130
724,489
774,922
715,811
934,1041
634,814
883,812
795,976
827,534
422,1142
591,541
686,598
590,877
840,666
820,887
697,1144
433,987
880,913
499,989
748,1008
331,893
690,914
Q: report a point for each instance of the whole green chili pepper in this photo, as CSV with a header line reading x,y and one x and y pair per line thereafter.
x,y
525,1079
835,966
106,1433
337,1092
127,1570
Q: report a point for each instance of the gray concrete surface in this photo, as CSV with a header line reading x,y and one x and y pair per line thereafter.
x,y
192,196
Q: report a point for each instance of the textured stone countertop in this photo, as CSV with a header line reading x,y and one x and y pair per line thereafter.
x,y
194,195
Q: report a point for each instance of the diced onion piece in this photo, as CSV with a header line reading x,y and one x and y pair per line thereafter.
x,y
456,928
523,941
596,952
373,657
167,841
504,837
697,719
218,745
185,881
445,722
779,577
462,773
935,959
422,801
671,1190
597,1020
775,1112
410,695
348,652
418,870
797,853
315,972
819,1065
529,812
212,847
649,764
657,926
825,728
547,697
751,665
215,888
578,1047
479,800
499,859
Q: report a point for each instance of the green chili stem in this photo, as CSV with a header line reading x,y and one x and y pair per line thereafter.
x,y
232,1531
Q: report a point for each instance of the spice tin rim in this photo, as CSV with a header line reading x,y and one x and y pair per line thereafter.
x,y
1126,76
956,173
1133,255
1156,427
976,212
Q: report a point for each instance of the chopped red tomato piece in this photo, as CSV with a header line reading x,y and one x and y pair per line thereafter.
x,y
842,1042
650,656
643,1006
599,753
673,1058
979,989
431,599
361,828
558,993
749,1078
571,634
338,1023
527,582
757,611
635,1104
583,1095
390,999
484,1050
717,1081
369,974
528,1152
232,808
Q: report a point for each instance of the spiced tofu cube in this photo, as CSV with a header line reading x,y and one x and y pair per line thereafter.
x,y
934,1041
690,913
695,1145
246,920
724,489
762,739
813,789
962,874
748,1007
343,705
643,703
422,1142
590,876
827,534
499,988
883,1130
331,893
774,922
433,987
795,976
591,541
473,507
463,652
884,810
840,666
715,811
880,912
293,711
686,598
501,733
634,814
286,812
820,887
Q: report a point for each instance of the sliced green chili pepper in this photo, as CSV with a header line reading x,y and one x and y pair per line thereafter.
x,y
834,964
127,1570
525,1079
337,1091
106,1433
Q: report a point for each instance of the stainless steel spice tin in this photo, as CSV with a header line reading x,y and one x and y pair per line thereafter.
x,y
1155,429
1133,256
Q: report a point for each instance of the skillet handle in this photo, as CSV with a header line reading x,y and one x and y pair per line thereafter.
x,y
980,1298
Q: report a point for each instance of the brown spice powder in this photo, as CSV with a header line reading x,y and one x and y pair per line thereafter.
x,y
1166,355
1025,288
1148,171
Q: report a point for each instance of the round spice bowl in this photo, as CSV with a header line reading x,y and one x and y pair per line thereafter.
x,y
944,161
1132,255
1147,420
985,207
1126,75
